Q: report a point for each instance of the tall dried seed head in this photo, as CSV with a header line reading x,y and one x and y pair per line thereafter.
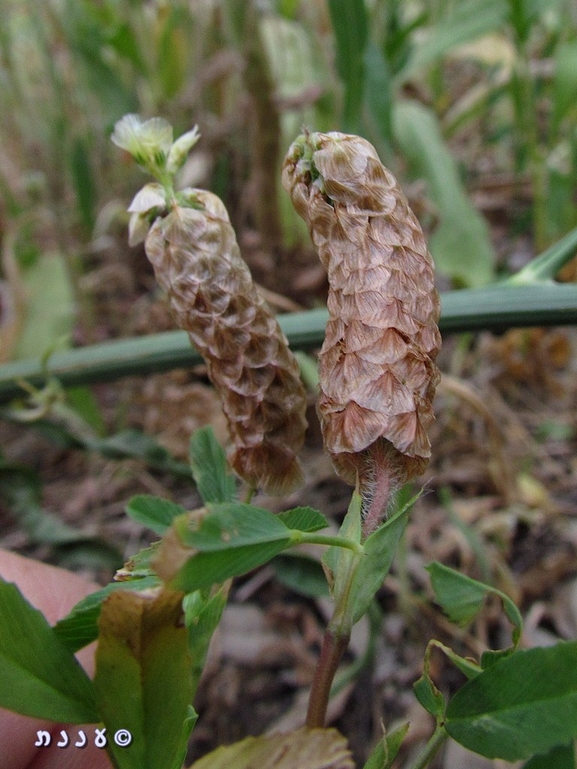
x,y
377,371
197,261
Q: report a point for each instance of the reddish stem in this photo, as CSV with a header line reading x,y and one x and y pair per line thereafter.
x,y
333,648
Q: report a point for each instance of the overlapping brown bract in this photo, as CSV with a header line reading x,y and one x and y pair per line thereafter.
x,y
197,261
377,370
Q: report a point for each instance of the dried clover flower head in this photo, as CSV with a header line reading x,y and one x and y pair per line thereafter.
x,y
376,367
192,246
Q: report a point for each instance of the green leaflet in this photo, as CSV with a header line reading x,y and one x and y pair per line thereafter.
x,y
462,598
523,704
40,676
154,512
230,539
209,467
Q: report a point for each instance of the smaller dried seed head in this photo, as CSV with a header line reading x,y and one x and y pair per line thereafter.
x,y
192,246
376,367
196,260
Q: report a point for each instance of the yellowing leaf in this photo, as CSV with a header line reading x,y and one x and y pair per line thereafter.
x,y
143,676
313,749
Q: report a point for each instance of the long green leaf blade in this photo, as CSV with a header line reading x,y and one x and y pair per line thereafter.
x,y
417,130
546,266
496,307
467,20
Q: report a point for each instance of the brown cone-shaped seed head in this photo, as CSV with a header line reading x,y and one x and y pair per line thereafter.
x,y
197,261
376,367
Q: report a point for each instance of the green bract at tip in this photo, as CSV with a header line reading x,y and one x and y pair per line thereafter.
x,y
302,154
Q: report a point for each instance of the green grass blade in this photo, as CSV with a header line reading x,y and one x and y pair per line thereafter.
x,y
494,308
351,28
547,265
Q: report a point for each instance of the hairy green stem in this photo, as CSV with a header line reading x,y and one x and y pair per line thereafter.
x,y
299,537
431,748
382,488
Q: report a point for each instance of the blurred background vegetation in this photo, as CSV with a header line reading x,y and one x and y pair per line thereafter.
x,y
472,103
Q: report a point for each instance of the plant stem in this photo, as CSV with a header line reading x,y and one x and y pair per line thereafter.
x,y
379,486
250,492
431,748
546,266
333,648
265,135
299,537
351,672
